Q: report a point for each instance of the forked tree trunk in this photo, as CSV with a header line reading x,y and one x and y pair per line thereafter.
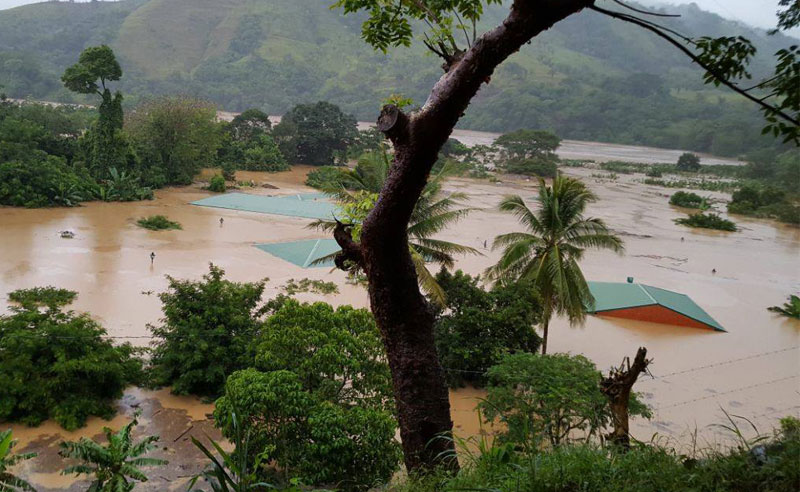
x,y
403,315
617,388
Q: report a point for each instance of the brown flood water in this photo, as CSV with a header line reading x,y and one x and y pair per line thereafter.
x,y
108,264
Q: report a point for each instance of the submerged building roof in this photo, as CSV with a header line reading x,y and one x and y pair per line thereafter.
x,y
646,303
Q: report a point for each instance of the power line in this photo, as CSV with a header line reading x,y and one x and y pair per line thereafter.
x,y
735,390
723,363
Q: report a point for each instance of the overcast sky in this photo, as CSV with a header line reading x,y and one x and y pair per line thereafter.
x,y
759,13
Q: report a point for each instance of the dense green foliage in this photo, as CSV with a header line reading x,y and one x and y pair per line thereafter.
x,y
205,333
316,134
688,162
35,297
174,137
790,309
158,223
116,465
530,152
247,144
547,253
707,221
57,364
479,327
589,77
688,200
318,402
216,184
37,147
8,459
764,464
549,398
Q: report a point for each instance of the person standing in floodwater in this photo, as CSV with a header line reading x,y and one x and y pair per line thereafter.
x,y
221,221
152,257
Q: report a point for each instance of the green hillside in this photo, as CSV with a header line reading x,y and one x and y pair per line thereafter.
x,y
587,78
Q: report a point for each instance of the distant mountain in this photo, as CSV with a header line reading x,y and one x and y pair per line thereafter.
x,y
587,78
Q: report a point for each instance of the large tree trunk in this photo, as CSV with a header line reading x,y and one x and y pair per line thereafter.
x,y
401,312
617,388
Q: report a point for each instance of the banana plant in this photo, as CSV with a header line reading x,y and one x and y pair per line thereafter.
x,y
8,481
115,466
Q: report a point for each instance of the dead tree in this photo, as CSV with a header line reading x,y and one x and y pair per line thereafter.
x,y
617,388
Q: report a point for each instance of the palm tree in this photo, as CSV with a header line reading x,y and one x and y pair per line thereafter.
x,y
115,463
547,253
433,213
8,481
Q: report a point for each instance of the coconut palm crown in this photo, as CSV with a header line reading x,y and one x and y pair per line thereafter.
x,y
548,251
433,213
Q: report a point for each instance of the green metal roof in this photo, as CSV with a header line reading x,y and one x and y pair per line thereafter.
x,y
610,296
302,253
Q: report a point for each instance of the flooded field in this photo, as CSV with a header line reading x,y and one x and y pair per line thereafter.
x,y
753,370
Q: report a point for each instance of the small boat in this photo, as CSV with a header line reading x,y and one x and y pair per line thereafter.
x,y
67,234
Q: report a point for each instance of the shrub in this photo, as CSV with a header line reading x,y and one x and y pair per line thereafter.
x,y
480,326
36,297
688,200
549,397
707,221
621,167
292,287
217,184
769,466
157,223
205,332
42,181
56,364
318,403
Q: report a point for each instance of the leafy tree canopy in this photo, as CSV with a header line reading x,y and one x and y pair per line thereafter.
x,y
479,327
546,398
318,402
688,162
96,63
57,364
205,333
315,133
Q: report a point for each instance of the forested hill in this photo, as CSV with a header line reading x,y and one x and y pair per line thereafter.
x,y
588,78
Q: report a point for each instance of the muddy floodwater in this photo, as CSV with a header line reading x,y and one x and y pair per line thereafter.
x,y
753,370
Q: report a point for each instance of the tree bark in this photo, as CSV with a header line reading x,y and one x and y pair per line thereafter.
x,y
617,388
401,312
545,332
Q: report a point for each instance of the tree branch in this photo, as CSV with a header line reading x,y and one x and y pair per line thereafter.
x,y
696,59
351,250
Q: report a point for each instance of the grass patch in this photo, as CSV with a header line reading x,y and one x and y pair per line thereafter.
x,y
707,221
158,223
